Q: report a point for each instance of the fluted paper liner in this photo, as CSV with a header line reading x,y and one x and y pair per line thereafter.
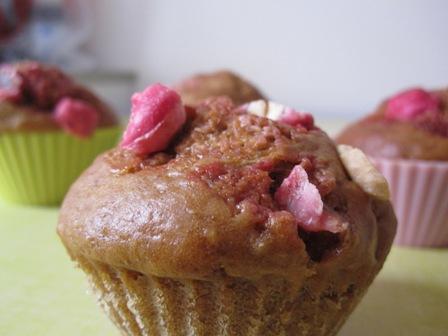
x,y
420,197
38,167
143,305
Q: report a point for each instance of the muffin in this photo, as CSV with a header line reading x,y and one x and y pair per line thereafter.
x,y
407,139
220,221
51,129
195,89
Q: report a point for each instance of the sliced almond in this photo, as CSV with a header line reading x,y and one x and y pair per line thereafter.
x,y
363,172
267,109
258,107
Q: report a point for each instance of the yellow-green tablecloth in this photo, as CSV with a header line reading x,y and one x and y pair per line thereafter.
x,y
42,294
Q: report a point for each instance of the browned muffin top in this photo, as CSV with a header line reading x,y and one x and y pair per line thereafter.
x,y
195,89
206,207
411,125
39,97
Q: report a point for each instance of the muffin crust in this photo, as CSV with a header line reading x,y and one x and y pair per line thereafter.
x,y
204,210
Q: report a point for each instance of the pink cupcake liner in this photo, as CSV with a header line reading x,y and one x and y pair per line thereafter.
x,y
420,197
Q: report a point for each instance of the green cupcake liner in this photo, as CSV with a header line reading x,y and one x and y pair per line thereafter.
x,y
37,168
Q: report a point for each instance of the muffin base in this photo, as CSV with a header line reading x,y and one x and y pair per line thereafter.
x,y
142,305
420,198
37,168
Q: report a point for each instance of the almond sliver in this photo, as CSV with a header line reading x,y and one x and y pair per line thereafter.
x,y
363,172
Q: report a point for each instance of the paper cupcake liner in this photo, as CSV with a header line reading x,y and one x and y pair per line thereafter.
x,y
141,305
420,197
37,168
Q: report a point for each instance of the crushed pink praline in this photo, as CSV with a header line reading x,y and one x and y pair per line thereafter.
x,y
299,196
157,115
296,118
410,104
10,84
76,117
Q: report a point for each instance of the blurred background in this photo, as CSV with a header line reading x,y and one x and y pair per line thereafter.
x,y
336,59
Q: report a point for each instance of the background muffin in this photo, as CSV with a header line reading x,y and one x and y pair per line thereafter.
x,y
31,92
407,138
410,125
230,224
50,129
195,89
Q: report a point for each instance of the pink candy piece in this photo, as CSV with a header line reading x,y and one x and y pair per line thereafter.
x,y
331,221
295,118
409,104
76,117
300,197
10,84
157,115
10,95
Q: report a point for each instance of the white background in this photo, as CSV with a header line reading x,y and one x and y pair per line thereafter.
x,y
332,58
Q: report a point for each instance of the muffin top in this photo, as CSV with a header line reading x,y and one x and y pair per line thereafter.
x,y
410,125
195,89
38,97
224,191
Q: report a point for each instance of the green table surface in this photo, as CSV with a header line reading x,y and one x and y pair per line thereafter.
x,y
41,293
